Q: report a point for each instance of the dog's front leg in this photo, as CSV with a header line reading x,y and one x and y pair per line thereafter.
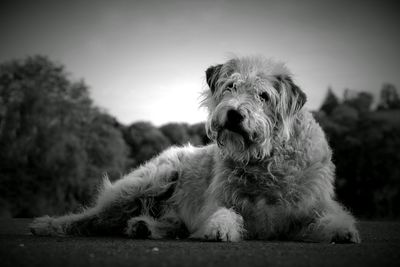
x,y
223,225
332,224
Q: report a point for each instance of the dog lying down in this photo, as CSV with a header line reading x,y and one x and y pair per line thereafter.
x,y
267,175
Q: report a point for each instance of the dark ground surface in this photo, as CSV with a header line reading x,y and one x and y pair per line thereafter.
x,y
380,247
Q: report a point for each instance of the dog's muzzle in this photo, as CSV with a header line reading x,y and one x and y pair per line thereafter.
x,y
234,123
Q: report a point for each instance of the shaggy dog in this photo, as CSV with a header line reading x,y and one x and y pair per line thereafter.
x,y
267,175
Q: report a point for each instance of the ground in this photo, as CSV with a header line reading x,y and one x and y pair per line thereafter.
x,y
380,247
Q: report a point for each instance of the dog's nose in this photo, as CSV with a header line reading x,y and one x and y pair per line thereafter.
x,y
233,117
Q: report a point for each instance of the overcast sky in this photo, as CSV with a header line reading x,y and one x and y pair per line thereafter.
x,y
145,60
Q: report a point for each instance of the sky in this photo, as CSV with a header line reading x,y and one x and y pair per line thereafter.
x,y
145,60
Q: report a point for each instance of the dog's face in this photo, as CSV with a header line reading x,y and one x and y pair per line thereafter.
x,y
252,103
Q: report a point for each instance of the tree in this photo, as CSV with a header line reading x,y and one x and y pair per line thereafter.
x,y
330,102
55,144
145,141
361,101
389,97
345,115
177,133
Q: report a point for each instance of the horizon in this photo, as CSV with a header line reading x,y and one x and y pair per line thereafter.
x,y
145,61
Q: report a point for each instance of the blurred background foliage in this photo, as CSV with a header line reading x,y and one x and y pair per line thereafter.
x,y
56,145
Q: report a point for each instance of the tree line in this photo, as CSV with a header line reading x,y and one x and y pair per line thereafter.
x,y
56,145
365,144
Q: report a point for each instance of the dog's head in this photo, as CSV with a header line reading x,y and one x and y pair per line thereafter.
x,y
252,103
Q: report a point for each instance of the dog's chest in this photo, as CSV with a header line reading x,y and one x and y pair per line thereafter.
x,y
255,185
244,185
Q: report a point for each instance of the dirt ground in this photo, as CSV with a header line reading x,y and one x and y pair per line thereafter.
x,y
380,247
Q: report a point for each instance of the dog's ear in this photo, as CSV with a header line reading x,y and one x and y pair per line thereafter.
x,y
212,75
296,97
291,100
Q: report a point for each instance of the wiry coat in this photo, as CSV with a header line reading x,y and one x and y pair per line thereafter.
x,y
267,175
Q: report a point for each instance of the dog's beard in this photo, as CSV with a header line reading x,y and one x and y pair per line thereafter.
x,y
237,135
239,141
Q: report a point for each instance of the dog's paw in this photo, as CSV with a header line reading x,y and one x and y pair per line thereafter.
x,y
224,225
220,233
346,236
45,226
137,228
338,227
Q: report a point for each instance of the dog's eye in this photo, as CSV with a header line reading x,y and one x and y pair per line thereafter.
x,y
264,96
228,90
230,86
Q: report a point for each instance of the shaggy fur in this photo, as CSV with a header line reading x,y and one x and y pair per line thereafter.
x,y
268,174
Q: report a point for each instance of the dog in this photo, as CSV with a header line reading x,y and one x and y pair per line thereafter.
x,y
268,174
